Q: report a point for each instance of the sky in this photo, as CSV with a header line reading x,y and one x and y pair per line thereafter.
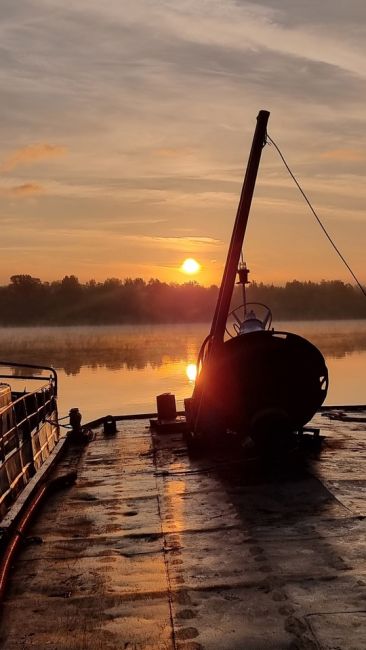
x,y
126,127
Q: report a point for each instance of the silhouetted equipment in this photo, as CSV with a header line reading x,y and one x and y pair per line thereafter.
x,y
109,425
168,420
166,406
259,382
75,421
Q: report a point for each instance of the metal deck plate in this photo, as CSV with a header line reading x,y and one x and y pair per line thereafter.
x,y
152,550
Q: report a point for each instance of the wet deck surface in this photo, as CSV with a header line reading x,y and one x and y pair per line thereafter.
x,y
151,550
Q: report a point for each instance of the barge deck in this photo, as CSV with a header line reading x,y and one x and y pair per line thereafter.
x,y
151,549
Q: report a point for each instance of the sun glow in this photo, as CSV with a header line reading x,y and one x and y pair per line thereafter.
x,y
191,371
190,266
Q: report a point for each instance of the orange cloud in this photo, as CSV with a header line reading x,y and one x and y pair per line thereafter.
x,y
344,154
26,189
32,153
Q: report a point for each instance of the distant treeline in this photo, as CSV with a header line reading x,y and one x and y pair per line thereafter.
x,y
29,301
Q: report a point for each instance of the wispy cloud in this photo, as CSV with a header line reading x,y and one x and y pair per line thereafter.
x,y
344,154
26,189
173,152
23,190
30,154
193,244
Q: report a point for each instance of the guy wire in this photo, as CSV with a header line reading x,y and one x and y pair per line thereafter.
x,y
269,139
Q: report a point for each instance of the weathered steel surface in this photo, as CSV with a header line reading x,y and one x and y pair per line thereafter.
x,y
151,550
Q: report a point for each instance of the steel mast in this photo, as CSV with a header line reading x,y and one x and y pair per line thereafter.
x,y
232,262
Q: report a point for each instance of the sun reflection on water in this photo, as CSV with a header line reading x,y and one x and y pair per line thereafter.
x,y
191,371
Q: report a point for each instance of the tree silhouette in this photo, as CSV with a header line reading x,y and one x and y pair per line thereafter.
x,y
29,301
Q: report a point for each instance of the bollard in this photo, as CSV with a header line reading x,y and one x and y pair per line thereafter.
x,y
166,407
78,435
75,421
109,425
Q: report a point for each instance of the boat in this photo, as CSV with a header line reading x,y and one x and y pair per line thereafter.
x,y
257,382
122,538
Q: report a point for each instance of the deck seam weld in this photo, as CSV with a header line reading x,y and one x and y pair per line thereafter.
x,y
166,566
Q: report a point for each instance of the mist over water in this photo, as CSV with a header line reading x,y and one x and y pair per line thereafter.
x,y
121,369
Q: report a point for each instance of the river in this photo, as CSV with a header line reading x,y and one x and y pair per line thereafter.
x,y
120,369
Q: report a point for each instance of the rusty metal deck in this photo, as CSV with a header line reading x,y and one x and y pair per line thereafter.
x,y
151,550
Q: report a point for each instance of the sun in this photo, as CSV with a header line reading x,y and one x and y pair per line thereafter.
x,y
190,266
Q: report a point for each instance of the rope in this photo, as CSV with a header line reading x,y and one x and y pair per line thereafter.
x,y
269,139
57,422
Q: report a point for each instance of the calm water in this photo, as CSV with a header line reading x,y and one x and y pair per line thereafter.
x,y
121,369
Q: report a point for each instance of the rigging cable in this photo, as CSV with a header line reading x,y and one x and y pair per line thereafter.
x,y
269,139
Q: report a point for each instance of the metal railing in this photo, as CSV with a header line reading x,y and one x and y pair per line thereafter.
x,y
12,364
29,430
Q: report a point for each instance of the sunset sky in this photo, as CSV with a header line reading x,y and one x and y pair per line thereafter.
x,y
126,127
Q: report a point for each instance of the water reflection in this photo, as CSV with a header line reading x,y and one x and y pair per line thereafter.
x,y
130,347
137,347
121,369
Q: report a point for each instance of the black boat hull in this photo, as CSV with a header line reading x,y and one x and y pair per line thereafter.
x,y
263,384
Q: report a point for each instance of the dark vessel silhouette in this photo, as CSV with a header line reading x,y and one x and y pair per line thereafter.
x,y
259,382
